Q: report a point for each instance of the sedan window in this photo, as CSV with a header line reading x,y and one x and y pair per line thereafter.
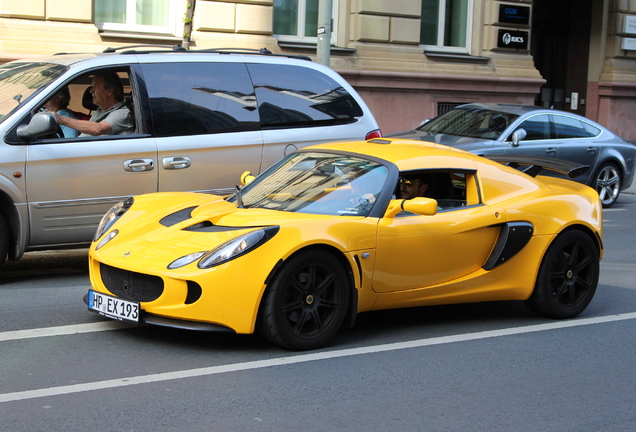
x,y
537,128
569,127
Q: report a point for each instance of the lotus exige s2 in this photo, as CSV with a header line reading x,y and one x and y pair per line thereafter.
x,y
334,230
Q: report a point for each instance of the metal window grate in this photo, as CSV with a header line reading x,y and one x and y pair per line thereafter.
x,y
443,107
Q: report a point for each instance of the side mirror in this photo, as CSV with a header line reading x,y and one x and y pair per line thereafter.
x,y
517,136
42,123
246,178
419,206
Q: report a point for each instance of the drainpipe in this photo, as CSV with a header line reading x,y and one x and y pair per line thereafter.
x,y
324,31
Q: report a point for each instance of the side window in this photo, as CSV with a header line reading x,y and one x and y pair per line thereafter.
x,y
452,190
537,127
592,130
297,96
200,98
568,127
74,99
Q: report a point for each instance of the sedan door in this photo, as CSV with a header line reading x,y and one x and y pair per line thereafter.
x,y
575,143
538,140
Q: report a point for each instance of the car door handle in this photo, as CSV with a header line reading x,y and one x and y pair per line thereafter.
x,y
178,162
551,151
591,150
136,165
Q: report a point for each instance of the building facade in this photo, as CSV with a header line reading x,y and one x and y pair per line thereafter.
x,y
409,59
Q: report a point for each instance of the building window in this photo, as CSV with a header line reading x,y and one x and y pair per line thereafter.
x,y
298,20
155,16
446,25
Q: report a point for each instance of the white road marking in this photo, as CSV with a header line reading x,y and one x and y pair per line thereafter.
x,y
302,358
63,330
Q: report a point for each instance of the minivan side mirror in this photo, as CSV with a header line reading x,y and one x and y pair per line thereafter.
x,y
42,123
246,178
517,136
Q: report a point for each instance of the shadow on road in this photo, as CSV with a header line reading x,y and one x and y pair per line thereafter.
x,y
47,262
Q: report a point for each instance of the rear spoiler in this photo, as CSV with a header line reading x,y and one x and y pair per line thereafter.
x,y
535,164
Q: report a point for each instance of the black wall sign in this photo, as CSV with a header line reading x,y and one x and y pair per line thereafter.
x,y
512,39
514,14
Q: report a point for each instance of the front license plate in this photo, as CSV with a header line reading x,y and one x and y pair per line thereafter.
x,y
113,307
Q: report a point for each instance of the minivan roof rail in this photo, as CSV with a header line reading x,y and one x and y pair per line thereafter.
x,y
260,51
131,49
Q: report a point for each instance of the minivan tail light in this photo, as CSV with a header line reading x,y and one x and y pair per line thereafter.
x,y
374,134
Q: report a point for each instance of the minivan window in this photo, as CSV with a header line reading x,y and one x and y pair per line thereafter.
x,y
18,81
200,98
294,96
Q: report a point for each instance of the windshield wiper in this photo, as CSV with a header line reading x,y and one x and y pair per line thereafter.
x,y
239,197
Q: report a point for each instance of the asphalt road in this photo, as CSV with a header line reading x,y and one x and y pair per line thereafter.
x,y
476,367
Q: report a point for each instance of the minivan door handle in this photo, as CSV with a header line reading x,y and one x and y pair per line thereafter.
x,y
136,165
177,162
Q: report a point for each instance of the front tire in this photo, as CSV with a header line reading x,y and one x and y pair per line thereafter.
x,y
4,240
567,278
306,303
607,183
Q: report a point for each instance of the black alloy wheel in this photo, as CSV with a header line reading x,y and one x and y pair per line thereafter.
x,y
306,303
567,278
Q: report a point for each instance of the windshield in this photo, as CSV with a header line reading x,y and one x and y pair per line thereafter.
x,y
472,122
18,81
318,183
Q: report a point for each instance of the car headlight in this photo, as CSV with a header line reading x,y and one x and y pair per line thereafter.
x,y
227,251
112,216
111,235
237,247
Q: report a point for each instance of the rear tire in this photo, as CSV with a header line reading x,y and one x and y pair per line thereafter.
x,y
306,303
607,183
567,278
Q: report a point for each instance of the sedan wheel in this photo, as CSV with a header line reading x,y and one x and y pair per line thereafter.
x,y
567,278
306,303
608,184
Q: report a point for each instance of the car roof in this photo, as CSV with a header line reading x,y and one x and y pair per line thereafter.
x,y
509,108
157,53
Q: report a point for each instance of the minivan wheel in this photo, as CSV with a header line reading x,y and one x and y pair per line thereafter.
x,y
607,183
4,240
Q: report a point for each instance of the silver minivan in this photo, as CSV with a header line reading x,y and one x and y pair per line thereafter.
x,y
200,119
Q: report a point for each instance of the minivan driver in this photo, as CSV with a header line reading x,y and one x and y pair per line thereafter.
x,y
112,117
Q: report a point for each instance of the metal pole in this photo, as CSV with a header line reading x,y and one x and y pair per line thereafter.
x,y
324,31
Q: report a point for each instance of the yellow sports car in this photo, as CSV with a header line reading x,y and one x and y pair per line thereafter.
x,y
343,228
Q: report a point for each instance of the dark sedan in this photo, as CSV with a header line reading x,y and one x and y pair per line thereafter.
x,y
488,129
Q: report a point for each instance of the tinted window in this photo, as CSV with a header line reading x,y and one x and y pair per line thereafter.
x,y
537,127
593,131
200,98
568,127
298,96
470,121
